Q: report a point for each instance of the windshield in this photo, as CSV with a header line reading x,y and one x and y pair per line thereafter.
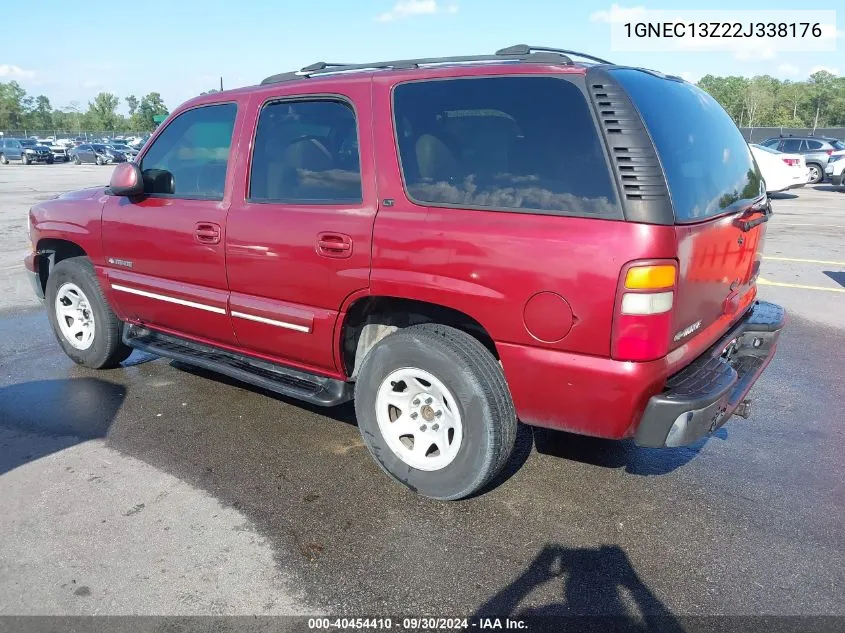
x,y
707,162
28,143
98,147
119,146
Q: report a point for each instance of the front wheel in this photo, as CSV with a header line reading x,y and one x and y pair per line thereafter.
x,y
99,160
3,160
76,160
816,173
435,411
83,322
24,159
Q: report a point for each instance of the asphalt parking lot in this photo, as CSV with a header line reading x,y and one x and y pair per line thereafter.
x,y
159,489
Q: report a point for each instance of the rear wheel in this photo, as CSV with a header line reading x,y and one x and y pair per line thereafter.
x,y
435,411
816,173
83,322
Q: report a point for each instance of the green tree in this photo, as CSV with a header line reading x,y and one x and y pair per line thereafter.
x,y
42,115
132,103
150,105
102,112
11,106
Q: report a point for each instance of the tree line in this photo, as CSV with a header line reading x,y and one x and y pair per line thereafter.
x,y
765,101
21,111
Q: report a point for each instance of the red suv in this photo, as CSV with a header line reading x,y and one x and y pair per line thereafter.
x,y
456,243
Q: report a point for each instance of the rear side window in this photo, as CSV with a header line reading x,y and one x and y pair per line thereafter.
x,y
306,152
707,162
791,145
511,143
814,145
189,158
837,145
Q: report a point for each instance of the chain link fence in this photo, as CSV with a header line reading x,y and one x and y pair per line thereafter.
x,y
758,134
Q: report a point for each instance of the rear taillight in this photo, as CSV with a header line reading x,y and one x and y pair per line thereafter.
x,y
829,152
642,320
791,161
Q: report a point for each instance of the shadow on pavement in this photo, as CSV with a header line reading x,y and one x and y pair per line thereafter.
x,y
782,195
599,590
618,453
55,414
837,276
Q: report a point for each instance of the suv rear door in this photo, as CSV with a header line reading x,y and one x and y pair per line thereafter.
x,y
718,199
299,231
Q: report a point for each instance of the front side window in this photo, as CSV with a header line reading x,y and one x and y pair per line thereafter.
x,y
190,156
513,143
306,152
791,145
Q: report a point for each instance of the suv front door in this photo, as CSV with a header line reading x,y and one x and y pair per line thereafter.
x,y
165,258
299,231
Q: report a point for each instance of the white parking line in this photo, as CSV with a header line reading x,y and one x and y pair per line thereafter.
x,y
766,282
804,261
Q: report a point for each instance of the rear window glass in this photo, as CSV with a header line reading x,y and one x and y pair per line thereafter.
x,y
837,144
707,162
511,143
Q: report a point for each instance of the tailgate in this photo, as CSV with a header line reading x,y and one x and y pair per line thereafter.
x,y
718,265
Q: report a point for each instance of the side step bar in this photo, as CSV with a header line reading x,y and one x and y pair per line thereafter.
x,y
286,381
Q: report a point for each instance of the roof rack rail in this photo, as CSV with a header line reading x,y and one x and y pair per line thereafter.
x,y
525,54
525,49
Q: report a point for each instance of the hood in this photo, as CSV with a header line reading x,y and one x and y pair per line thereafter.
x,y
84,194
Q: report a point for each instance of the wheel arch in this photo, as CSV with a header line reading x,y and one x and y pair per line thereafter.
x,y
369,318
51,251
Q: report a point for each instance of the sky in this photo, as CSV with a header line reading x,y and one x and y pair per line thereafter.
x,y
180,48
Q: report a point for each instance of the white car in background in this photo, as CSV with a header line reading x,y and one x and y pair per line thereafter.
x,y
781,171
834,171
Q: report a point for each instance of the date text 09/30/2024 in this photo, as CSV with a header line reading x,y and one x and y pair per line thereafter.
x,y
416,624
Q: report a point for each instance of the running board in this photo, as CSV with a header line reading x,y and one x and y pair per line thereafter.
x,y
286,381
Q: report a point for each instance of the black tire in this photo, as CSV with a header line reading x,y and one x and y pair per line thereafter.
x,y
3,160
107,349
100,160
816,173
50,161
76,160
24,159
478,385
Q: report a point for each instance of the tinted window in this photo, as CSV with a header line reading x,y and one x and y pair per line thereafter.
x,y
772,142
306,152
837,145
28,143
791,145
814,145
707,162
190,156
522,143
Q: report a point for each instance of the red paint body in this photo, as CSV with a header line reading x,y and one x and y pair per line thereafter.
x,y
556,351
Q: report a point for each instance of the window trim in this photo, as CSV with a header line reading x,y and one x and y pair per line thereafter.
x,y
573,79
322,96
139,160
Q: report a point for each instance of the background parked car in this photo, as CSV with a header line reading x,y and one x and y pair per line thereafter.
x,y
96,153
124,149
59,151
25,150
780,171
835,170
815,149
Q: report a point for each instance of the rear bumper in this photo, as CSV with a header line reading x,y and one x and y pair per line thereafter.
x,y
699,399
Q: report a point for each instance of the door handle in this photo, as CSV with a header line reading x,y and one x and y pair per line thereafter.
x,y
207,233
335,245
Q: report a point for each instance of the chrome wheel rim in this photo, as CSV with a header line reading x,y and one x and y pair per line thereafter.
x,y
814,173
419,419
75,316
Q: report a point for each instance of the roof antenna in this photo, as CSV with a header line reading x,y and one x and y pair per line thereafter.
x,y
221,84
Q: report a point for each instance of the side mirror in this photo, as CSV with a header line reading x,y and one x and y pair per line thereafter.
x,y
126,180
